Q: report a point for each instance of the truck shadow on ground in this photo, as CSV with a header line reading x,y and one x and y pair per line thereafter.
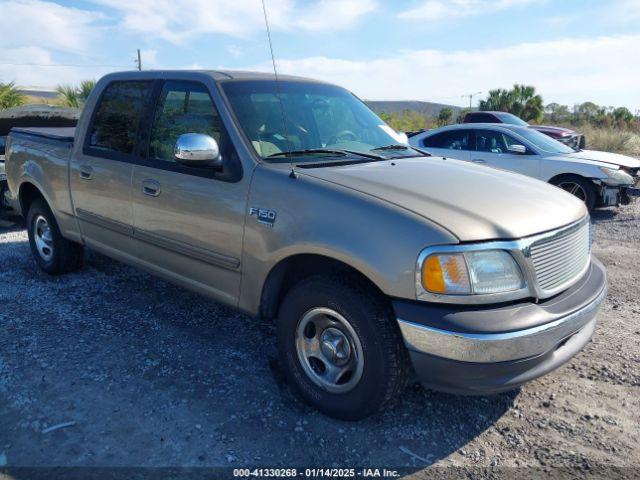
x,y
154,375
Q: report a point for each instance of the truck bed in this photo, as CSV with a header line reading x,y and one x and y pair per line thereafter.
x,y
64,134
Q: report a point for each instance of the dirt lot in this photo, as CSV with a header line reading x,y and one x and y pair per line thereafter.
x,y
153,375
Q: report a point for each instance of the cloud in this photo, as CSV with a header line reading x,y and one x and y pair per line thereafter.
x,y
567,71
179,20
34,22
441,9
34,31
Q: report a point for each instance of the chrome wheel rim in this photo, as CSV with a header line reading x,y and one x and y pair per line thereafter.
x,y
574,189
329,350
43,239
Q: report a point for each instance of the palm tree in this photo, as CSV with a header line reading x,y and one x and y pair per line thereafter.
x,y
521,100
68,95
10,96
86,87
498,100
75,97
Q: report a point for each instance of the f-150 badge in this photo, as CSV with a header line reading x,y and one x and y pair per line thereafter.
x,y
264,216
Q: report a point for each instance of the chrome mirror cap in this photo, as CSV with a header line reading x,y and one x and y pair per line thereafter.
x,y
521,149
197,150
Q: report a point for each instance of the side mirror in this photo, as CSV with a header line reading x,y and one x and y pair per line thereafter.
x,y
197,150
519,149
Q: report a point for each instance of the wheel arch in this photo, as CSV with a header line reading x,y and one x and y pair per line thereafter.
x,y
294,268
27,193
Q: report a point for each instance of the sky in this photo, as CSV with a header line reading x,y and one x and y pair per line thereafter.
x,y
433,50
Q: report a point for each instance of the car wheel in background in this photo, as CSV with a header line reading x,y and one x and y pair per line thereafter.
x,y
341,347
579,187
53,253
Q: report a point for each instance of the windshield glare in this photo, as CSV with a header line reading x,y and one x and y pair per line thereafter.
x,y
311,116
544,142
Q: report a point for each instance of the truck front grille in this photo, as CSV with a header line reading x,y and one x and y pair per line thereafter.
x,y
560,259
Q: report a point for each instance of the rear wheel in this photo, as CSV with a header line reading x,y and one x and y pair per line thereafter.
x,y
579,187
53,253
341,347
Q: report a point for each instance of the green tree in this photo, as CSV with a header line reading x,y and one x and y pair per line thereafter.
x,y
75,96
622,115
521,100
445,116
461,114
85,89
498,100
407,121
557,113
10,96
585,112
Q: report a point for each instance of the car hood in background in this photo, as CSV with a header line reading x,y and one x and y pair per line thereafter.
x,y
555,131
472,202
605,157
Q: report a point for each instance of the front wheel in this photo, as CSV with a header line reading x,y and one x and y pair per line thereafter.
x,y
341,347
579,187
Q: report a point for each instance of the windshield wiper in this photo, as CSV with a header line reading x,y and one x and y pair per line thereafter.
x,y
332,151
401,147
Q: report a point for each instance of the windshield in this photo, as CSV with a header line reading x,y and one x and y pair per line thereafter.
x,y
510,119
543,142
318,119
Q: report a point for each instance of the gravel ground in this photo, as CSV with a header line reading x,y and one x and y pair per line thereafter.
x,y
153,375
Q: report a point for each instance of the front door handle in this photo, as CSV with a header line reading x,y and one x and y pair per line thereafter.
x,y
86,172
151,188
478,160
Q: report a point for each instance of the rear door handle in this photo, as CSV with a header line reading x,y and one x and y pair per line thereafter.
x,y
478,160
86,172
151,188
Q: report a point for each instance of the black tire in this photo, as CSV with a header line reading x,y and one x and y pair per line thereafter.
x,y
579,186
61,255
385,360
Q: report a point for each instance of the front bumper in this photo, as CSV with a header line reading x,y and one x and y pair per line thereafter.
x,y
488,350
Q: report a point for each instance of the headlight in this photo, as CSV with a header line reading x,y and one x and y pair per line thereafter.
x,y
478,272
616,177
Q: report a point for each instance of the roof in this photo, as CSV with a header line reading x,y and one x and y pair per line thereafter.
x,y
218,75
490,126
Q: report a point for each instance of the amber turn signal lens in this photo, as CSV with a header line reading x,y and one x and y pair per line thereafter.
x,y
446,273
432,278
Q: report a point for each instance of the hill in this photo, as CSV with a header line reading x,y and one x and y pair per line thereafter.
x,y
399,106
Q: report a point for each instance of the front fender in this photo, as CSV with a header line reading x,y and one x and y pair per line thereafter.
x,y
312,216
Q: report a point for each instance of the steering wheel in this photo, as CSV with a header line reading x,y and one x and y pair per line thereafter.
x,y
343,136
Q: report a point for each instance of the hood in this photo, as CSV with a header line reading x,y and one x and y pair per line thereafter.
x,y
549,130
472,202
606,157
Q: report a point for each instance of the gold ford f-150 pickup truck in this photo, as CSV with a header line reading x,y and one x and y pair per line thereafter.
x,y
289,199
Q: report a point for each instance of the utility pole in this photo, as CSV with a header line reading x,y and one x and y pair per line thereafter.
x,y
471,95
139,62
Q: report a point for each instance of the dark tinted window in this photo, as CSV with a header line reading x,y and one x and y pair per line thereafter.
x,y
118,115
494,142
2,144
182,108
450,140
480,117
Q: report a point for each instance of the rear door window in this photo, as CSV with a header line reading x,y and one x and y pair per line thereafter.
x,y
450,140
118,116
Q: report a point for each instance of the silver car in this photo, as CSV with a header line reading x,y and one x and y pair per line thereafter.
x,y
597,178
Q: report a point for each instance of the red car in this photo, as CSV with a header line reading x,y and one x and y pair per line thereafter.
x,y
570,138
